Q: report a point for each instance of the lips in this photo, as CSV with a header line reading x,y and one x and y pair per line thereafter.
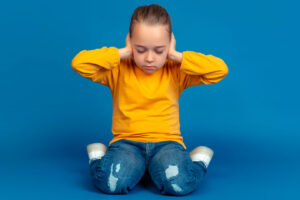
x,y
149,67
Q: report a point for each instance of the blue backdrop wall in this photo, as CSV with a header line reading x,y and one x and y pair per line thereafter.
x,y
49,113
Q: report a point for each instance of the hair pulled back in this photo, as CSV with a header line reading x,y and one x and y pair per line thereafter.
x,y
152,14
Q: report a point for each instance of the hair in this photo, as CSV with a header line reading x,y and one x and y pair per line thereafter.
x,y
151,14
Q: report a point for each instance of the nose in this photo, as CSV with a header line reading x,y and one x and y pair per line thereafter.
x,y
149,57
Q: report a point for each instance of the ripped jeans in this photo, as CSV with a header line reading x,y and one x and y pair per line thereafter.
x,y
167,163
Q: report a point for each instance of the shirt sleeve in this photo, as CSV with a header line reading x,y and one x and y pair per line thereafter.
x,y
98,65
197,69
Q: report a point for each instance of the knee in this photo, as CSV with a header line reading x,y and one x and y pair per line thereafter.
x,y
112,187
177,188
110,180
177,183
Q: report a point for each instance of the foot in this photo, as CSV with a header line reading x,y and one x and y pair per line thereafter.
x,y
96,151
202,153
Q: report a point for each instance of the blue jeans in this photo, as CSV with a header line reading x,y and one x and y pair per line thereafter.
x,y
167,163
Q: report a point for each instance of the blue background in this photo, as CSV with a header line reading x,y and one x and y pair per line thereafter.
x,y
49,113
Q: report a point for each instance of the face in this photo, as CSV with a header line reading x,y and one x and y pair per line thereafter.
x,y
150,45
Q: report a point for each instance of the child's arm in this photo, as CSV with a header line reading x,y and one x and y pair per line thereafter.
x,y
99,65
197,69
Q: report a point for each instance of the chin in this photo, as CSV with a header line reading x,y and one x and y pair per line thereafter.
x,y
148,72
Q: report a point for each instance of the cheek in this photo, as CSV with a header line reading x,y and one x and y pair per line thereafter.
x,y
137,56
138,59
164,56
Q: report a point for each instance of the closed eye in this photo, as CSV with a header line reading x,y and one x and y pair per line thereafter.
x,y
158,52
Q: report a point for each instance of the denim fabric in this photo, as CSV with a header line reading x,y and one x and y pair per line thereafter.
x,y
167,163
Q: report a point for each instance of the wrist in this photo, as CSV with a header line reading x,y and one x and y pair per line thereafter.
x,y
175,56
124,53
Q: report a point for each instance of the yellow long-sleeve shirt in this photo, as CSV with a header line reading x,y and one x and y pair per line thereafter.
x,y
145,106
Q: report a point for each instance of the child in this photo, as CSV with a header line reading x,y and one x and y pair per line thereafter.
x,y
146,79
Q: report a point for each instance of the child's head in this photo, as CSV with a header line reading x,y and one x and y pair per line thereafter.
x,y
150,34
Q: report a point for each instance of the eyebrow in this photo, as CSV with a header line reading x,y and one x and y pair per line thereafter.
x,y
145,47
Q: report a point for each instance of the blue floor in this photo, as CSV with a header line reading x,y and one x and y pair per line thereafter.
x,y
244,174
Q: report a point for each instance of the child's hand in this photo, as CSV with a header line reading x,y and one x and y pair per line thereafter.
x,y
126,52
172,53
172,46
128,43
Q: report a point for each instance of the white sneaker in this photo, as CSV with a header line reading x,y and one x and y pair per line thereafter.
x,y
96,151
202,153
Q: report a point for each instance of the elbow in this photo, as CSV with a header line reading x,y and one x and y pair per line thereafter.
x,y
77,60
219,74
75,63
223,71
223,67
215,77
223,74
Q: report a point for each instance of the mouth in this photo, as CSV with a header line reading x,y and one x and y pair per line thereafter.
x,y
149,67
